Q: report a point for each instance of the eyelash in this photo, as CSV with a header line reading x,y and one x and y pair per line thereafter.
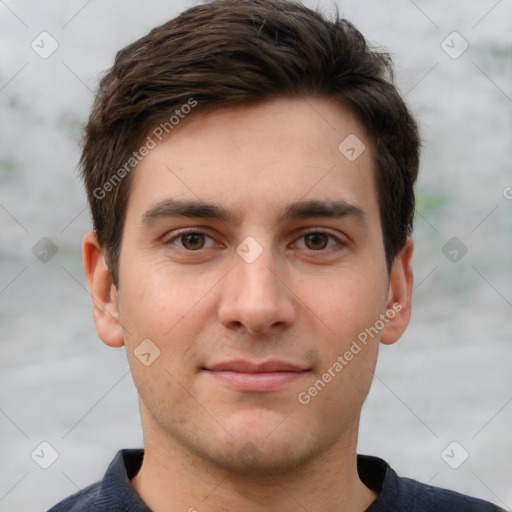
x,y
302,235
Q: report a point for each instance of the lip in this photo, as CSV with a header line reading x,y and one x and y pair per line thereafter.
x,y
260,377
245,366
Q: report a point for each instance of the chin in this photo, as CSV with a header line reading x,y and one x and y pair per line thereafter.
x,y
261,451
255,459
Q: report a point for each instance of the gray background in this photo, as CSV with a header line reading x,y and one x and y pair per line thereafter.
x,y
448,379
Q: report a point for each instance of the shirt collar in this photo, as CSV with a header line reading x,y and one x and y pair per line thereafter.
x,y
116,491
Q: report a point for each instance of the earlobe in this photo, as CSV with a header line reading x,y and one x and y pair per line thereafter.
x,y
398,306
104,294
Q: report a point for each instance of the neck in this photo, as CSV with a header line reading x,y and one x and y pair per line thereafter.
x,y
173,478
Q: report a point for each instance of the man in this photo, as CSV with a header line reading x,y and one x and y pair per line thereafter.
x,y
250,171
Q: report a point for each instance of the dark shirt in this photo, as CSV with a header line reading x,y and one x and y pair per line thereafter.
x,y
395,494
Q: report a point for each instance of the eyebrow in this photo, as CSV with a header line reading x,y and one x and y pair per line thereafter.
x,y
311,208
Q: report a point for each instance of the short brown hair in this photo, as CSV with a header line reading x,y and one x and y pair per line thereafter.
x,y
232,52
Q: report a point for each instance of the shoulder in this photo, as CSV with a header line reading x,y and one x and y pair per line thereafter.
x,y
114,493
401,494
425,498
83,501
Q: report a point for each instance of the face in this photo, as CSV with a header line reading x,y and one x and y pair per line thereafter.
x,y
252,260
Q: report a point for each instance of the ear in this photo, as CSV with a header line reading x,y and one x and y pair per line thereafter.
x,y
105,304
398,305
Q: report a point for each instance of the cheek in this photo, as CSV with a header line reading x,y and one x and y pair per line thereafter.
x,y
338,391
346,305
159,300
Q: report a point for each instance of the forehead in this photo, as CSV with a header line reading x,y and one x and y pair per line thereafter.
x,y
254,159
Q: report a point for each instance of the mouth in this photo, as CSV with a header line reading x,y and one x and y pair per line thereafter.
x,y
256,377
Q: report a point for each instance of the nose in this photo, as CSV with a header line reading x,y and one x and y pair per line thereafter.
x,y
255,295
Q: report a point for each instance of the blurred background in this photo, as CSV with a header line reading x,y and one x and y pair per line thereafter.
x,y
440,408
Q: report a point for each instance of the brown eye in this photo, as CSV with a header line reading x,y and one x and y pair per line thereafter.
x,y
192,241
316,241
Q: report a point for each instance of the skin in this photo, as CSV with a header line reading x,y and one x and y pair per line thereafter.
x,y
304,300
